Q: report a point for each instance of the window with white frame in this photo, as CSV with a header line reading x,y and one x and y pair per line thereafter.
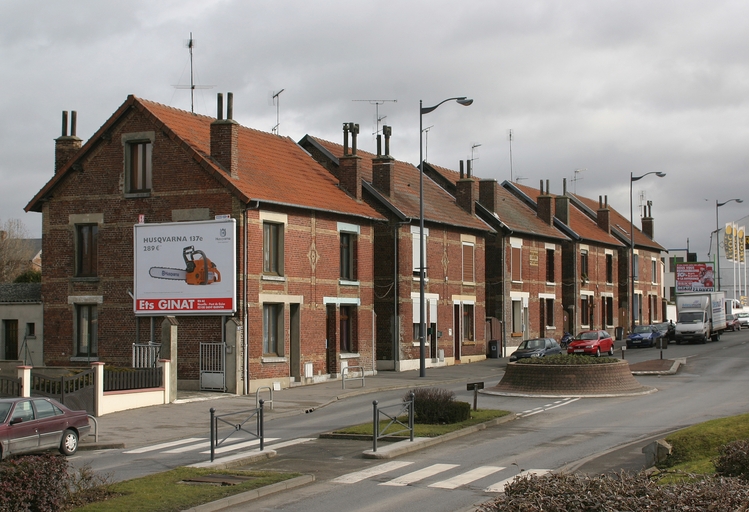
x,y
654,270
348,235
468,322
273,329
516,256
273,248
138,149
469,271
86,330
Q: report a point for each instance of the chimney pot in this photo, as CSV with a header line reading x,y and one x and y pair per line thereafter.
x,y
220,106
64,123
229,105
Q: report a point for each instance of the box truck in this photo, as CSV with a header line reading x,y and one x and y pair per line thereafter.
x,y
700,316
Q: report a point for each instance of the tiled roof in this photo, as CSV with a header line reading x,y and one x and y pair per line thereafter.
x,y
620,225
580,223
271,168
511,211
439,205
16,293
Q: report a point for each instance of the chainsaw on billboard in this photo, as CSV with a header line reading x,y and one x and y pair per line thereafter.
x,y
198,271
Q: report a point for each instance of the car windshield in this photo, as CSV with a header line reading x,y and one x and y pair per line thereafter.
x,y
4,410
743,315
531,344
690,317
641,328
591,335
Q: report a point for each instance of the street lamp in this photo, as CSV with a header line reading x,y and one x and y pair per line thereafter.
x,y
422,306
717,232
631,301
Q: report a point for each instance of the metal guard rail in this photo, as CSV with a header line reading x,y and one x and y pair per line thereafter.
x,y
343,375
258,401
237,427
405,407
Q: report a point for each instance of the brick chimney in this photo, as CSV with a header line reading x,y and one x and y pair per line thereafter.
x,y
603,215
562,205
648,227
383,166
545,204
488,196
66,146
464,191
350,174
224,137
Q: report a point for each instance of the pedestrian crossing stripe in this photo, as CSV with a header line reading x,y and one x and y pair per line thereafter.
x,y
199,443
419,475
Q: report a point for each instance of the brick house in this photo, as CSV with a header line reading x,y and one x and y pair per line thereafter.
x,y
590,259
523,261
455,239
649,304
304,247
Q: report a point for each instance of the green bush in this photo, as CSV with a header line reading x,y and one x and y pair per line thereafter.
x,y
436,405
34,482
733,459
565,360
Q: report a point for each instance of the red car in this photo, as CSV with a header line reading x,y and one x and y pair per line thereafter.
x,y
38,424
592,343
732,322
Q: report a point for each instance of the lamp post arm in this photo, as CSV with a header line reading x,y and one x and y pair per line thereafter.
x,y
460,99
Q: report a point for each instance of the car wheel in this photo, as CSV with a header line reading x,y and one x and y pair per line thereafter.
x,y
598,352
69,444
611,350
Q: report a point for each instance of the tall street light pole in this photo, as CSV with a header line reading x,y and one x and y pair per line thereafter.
x,y
631,301
717,233
422,304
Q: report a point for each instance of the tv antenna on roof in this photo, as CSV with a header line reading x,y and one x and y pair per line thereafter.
x,y
377,104
576,178
509,132
473,147
277,102
190,45
426,141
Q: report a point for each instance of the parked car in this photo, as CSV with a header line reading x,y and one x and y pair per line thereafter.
x,y
744,319
667,329
732,322
644,336
592,343
537,347
38,424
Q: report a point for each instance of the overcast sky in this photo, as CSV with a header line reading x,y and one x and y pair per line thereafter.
x,y
592,90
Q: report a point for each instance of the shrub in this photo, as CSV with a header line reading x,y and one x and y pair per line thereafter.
x,y
572,359
33,482
733,459
437,405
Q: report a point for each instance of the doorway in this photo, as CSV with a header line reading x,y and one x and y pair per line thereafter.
x,y
10,335
295,348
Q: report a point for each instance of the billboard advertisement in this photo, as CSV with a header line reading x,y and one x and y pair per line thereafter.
x,y
695,277
185,268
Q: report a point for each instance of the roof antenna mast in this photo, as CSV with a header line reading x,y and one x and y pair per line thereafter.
x,y
509,136
190,45
377,104
277,102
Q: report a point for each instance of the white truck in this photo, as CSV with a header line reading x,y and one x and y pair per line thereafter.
x,y
700,316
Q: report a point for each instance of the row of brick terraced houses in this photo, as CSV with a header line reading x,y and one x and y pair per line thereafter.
x,y
327,252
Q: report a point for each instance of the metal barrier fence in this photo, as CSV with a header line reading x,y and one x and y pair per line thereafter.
x,y
343,375
237,427
133,378
406,407
146,355
10,387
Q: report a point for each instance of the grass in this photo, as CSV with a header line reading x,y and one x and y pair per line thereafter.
x,y
164,492
694,448
422,429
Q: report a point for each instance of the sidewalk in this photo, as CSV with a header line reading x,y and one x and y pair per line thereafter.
x,y
189,416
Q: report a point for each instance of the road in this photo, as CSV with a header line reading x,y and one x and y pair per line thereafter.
x,y
547,435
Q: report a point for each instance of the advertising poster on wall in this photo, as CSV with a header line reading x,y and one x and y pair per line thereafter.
x,y
185,268
695,277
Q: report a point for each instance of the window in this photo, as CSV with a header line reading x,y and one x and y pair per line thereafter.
x,y
673,261
468,265
584,265
273,248
608,309
31,329
86,249
23,411
609,268
139,166
86,331
347,325
468,322
636,268
585,310
550,278
517,274
348,256
273,329
44,409
654,271
549,312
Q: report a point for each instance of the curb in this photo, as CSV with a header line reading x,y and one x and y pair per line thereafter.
x,y
244,497
644,391
671,371
401,447
236,461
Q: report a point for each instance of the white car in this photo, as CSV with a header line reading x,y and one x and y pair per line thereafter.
x,y
744,320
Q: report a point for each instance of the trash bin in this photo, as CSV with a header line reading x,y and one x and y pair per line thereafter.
x,y
619,332
493,349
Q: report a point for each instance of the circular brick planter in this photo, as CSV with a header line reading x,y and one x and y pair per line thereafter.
x,y
587,380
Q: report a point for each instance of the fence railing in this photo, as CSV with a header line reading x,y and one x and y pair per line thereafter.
x,y
10,386
347,370
405,408
133,378
243,417
60,386
146,355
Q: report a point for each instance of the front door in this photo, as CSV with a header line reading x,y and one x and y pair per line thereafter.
x,y
331,339
10,335
457,331
295,358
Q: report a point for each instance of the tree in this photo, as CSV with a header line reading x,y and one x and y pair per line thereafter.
x,y
16,250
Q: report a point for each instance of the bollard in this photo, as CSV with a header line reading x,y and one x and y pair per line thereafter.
x,y
411,416
213,433
260,425
623,349
375,427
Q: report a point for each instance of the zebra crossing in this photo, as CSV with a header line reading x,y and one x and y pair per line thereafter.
x,y
547,407
202,445
426,474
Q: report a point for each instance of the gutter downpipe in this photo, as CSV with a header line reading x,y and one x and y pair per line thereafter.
x,y
245,287
504,296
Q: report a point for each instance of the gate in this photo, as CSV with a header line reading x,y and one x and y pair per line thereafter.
x,y
213,366
75,391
